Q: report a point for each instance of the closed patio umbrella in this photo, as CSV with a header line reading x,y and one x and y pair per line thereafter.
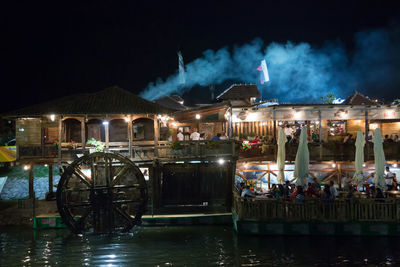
x,y
280,157
359,159
379,157
302,160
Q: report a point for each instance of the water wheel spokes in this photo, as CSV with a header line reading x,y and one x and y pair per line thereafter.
x,y
101,192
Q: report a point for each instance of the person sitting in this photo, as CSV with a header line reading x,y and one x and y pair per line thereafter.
x,y
388,139
334,192
348,139
287,189
203,136
216,138
315,137
396,138
194,135
316,186
246,192
311,191
327,195
280,192
299,195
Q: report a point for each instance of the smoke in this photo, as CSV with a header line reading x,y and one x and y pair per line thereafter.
x,y
299,72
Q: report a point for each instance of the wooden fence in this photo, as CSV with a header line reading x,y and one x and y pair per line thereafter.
x,y
341,210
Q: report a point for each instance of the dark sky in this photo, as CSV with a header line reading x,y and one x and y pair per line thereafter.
x,y
52,49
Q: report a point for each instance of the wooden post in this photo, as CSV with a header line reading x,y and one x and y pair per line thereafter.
x,y
274,128
107,134
230,128
59,138
83,134
42,138
320,126
130,136
366,125
50,178
31,192
156,133
366,152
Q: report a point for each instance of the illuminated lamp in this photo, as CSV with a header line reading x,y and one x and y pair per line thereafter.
x,y
174,124
52,117
221,161
333,165
105,122
26,167
394,165
126,119
364,165
198,116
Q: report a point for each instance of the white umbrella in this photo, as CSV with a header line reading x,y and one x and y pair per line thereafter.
x,y
359,160
379,157
302,159
280,157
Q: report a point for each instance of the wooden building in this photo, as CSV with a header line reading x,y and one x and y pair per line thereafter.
x,y
195,174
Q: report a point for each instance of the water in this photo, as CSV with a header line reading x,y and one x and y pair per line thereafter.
x,y
191,246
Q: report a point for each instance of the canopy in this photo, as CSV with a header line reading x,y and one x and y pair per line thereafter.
x,y
302,160
280,157
7,153
379,157
359,160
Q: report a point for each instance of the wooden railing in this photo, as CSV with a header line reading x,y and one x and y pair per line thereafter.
x,y
141,150
341,210
321,152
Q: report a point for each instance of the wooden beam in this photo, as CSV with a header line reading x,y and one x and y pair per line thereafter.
x,y
83,133
31,192
156,133
107,135
240,175
59,138
50,178
130,137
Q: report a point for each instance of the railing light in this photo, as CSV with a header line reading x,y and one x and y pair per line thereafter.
x,y
221,161
105,122
26,167
126,119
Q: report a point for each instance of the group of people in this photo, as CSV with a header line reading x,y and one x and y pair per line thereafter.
x,y
328,194
195,136
293,135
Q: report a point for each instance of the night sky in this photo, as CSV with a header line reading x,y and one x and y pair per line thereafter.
x,y
53,49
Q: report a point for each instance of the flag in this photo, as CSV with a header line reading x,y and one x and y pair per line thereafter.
x,y
264,72
181,68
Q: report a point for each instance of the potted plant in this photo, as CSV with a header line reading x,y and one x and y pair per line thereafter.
x,y
96,146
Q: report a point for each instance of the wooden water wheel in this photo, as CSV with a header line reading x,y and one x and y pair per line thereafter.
x,y
101,193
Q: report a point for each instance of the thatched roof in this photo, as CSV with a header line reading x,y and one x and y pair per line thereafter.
x,y
239,91
112,100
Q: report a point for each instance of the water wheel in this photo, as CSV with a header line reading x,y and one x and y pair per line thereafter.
x,y
101,193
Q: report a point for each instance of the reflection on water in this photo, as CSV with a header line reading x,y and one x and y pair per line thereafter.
x,y
190,246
